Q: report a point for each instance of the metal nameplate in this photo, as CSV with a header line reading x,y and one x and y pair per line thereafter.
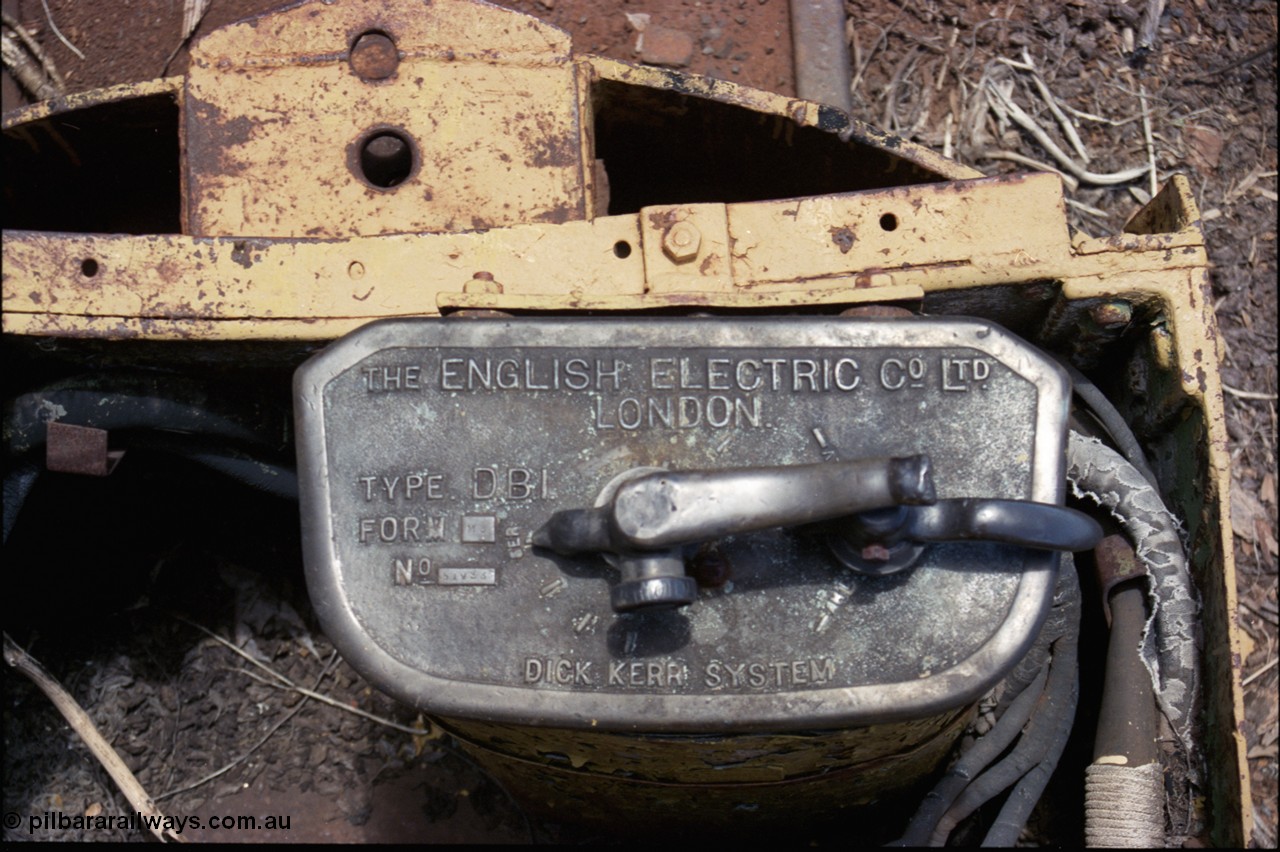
x,y
431,449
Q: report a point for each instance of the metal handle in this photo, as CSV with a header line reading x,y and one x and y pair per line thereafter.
x,y
652,515
885,541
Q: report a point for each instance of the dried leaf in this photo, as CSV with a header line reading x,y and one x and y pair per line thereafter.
x,y
1246,510
1204,147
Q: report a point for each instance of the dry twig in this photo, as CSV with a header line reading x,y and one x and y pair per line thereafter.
x,y
333,659
1245,394
1016,114
1260,672
1015,157
1146,136
71,47
80,722
1051,101
43,82
905,66
283,682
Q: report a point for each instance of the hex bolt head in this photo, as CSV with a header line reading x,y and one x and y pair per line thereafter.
x,y
681,242
374,57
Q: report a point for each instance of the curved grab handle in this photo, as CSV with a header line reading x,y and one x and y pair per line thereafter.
x,y
889,540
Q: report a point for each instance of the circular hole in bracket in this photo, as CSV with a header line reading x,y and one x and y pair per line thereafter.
x,y
385,158
622,249
889,222
88,267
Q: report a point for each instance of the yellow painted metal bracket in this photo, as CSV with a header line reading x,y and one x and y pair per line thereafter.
x,y
882,245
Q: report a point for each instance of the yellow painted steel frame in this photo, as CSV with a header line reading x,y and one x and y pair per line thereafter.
x,y
284,240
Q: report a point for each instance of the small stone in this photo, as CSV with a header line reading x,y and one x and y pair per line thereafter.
x,y
665,46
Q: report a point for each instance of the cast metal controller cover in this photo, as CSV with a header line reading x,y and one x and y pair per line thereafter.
x,y
431,450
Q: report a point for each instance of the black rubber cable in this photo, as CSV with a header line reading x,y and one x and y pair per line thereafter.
x,y
145,402
1016,707
1056,714
988,747
18,483
1017,809
1110,418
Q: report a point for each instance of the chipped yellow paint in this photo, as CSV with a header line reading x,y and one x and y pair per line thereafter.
x,y
799,112
139,280
829,250
705,228
276,118
171,86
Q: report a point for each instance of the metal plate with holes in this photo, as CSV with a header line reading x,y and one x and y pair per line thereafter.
x,y
431,449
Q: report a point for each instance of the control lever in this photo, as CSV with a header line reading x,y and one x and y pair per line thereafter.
x,y
644,517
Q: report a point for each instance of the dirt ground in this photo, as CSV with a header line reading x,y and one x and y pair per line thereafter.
x,y
209,731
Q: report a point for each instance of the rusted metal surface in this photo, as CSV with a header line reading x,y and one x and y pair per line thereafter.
x,y
820,52
752,254
1116,562
171,86
78,449
486,99
739,780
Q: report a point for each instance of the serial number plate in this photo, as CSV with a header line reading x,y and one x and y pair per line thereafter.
x,y
431,450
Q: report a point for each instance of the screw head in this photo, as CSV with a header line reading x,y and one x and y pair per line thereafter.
x,y
681,242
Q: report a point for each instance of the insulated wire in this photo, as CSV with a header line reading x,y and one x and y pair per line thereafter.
x,y
1046,708
1111,419
984,751
1045,732
1017,809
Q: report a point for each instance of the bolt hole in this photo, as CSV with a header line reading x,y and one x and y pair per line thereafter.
x,y
386,159
622,249
88,267
889,222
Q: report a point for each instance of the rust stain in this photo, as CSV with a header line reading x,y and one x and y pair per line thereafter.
x,y
240,255
842,237
213,136
663,219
